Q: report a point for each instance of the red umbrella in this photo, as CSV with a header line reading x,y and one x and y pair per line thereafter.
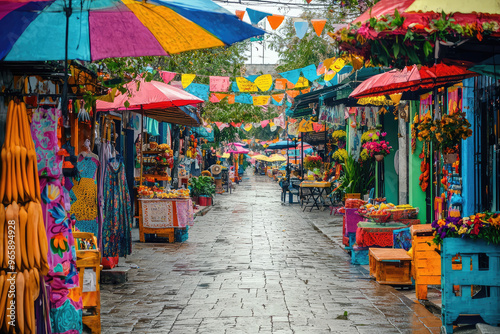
x,y
411,78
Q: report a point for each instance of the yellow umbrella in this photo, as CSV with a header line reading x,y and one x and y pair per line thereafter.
x,y
455,6
276,157
225,155
260,157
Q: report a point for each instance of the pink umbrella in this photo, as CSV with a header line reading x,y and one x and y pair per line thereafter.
x,y
238,150
158,100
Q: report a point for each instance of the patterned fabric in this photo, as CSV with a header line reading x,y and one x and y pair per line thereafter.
x,y
44,132
65,312
369,239
85,207
117,223
185,213
402,238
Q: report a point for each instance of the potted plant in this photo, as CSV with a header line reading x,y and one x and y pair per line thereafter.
x,y
378,148
445,133
312,162
358,176
203,188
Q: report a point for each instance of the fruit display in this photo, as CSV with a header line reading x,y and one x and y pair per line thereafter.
x,y
388,211
161,193
23,240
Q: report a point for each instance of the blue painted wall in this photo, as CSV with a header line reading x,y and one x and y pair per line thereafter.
x,y
467,153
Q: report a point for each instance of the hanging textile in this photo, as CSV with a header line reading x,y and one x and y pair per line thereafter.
x,y
44,132
104,156
84,206
117,223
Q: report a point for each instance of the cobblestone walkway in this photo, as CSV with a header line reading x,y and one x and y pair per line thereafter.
x,y
252,265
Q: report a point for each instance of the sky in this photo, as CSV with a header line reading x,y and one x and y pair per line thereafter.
x,y
260,54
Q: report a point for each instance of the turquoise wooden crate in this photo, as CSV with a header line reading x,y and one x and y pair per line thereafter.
x,y
359,255
352,240
470,282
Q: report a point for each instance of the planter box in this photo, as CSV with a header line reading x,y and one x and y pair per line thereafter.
x,y
205,201
470,282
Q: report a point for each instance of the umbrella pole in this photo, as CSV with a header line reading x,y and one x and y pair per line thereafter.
x,y
287,154
302,154
142,142
64,104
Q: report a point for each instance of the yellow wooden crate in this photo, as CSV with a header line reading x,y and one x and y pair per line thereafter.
x,y
426,263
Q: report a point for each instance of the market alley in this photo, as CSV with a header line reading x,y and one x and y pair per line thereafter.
x,y
252,265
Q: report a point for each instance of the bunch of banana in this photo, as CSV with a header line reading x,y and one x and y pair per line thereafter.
x,y
19,181
23,240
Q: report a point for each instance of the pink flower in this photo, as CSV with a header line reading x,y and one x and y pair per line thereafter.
x,y
384,134
378,133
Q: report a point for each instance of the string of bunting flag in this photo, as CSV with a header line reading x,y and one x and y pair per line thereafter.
x,y
275,20
292,83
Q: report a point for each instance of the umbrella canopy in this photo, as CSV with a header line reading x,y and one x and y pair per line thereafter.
x,y
36,30
411,78
408,36
260,157
160,101
283,144
225,156
276,157
238,150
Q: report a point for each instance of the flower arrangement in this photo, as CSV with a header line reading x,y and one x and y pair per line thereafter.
x,y
340,155
377,146
312,162
363,155
338,137
370,135
484,226
446,132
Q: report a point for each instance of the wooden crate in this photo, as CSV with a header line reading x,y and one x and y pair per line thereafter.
x,y
359,255
90,259
426,263
390,266
470,282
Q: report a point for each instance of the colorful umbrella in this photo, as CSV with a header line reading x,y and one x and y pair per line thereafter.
x,y
411,78
276,157
157,100
283,144
36,30
238,150
408,36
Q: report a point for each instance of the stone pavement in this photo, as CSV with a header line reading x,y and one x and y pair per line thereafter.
x,y
252,265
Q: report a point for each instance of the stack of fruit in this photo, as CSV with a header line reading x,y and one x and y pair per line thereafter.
x,y
23,240
161,193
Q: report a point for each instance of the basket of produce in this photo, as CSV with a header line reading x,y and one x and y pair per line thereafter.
x,y
398,214
380,218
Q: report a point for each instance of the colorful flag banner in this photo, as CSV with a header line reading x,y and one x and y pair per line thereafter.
x,y
261,100
240,14
292,93
280,84
264,82
302,83
244,98
167,76
329,75
264,123
251,78
245,86
213,98
275,20
318,25
278,99
338,65
186,79
321,69
219,84
300,28
256,125
293,76
310,72
198,90
247,127
256,16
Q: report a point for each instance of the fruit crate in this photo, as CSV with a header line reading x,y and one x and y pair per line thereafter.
x,y
470,282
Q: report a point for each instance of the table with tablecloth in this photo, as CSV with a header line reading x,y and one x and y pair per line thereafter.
x,y
371,234
158,215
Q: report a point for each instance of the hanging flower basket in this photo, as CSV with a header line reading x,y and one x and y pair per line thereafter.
x,y
450,158
379,157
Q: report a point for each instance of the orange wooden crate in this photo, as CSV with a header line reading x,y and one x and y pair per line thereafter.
x,y
91,300
390,266
426,261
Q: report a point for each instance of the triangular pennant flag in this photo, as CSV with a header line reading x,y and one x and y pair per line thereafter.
x,y
230,99
293,76
328,62
256,125
219,84
213,98
272,127
220,96
186,79
329,75
245,86
264,123
308,1
318,26
261,100
301,28
167,76
310,72
302,83
275,20
234,87
248,127
280,84
240,14
256,16
264,82
293,93
304,91
338,65
278,99
321,69
198,90
244,98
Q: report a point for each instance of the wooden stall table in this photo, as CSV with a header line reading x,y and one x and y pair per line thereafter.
x,y
390,266
162,216
426,263
317,190
370,234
